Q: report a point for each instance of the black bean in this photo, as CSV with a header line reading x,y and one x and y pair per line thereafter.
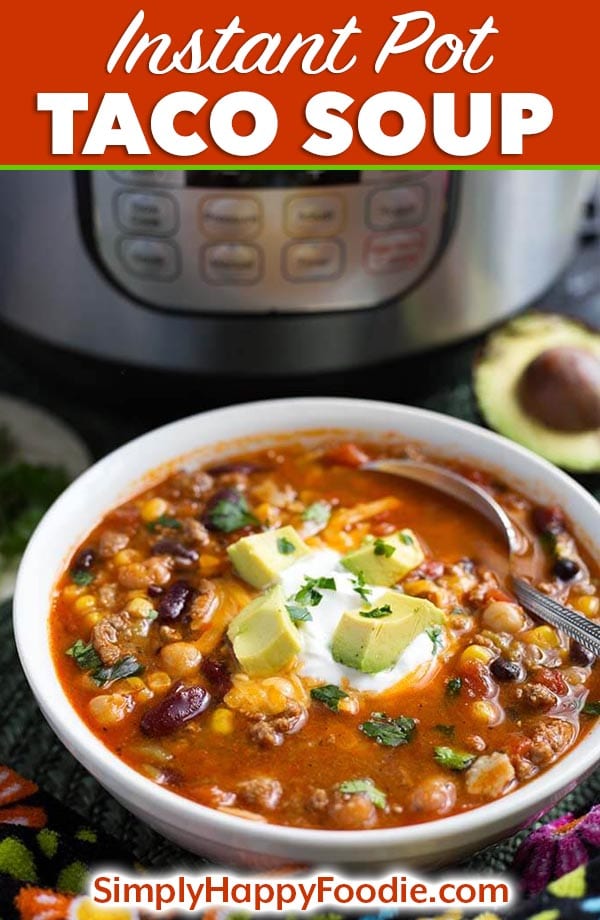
x,y
503,669
179,706
168,547
245,468
84,560
175,601
565,569
548,520
218,675
155,590
580,655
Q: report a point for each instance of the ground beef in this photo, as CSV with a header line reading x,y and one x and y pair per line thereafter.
x,y
201,606
270,730
106,636
537,696
549,740
112,542
261,792
195,531
194,484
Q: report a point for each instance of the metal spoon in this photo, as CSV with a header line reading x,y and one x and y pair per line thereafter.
x,y
573,624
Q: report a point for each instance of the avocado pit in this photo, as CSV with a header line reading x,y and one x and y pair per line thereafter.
x,y
560,388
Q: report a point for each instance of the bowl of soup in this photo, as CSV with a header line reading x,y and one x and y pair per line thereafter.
x,y
272,654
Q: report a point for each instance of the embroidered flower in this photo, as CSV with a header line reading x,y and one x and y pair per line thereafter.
x,y
13,789
556,849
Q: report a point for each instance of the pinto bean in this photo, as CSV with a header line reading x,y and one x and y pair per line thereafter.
x,y
261,792
434,795
350,812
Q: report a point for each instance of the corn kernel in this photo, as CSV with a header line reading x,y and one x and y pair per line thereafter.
x,y
141,607
145,695
544,636
222,721
485,712
209,564
70,592
85,602
153,509
477,653
135,684
158,681
126,557
588,604
92,618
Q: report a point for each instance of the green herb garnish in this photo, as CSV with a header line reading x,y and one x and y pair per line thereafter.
x,y
387,731
435,634
125,667
81,577
360,586
380,548
453,760
377,612
592,708
84,655
318,513
453,686
366,787
227,515
330,695
165,521
309,593
298,614
405,538
285,546
447,730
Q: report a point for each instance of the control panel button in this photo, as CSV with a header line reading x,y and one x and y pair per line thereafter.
x,y
232,216
404,206
147,212
313,261
232,263
155,260
380,176
393,252
170,178
314,215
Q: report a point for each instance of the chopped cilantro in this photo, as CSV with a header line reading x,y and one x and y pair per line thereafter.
x,y
84,655
318,513
380,548
81,577
377,612
298,614
309,593
453,686
405,538
360,586
592,708
227,515
125,667
452,759
285,546
330,695
366,787
166,521
387,731
435,634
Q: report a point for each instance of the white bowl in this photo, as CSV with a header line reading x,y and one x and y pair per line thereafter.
x,y
210,832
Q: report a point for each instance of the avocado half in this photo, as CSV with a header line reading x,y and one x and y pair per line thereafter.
x,y
537,381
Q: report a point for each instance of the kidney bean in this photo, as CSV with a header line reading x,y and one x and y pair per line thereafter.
x,y
565,569
580,655
180,705
175,601
217,673
548,520
503,669
84,560
245,468
181,553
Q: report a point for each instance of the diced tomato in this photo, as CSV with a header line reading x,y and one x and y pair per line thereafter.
x,y
497,594
347,455
552,679
517,745
476,681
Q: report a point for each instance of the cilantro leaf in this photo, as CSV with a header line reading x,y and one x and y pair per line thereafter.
x,y
405,538
435,634
330,695
84,655
319,513
229,514
285,546
81,577
592,708
360,586
125,667
166,521
377,612
380,548
367,787
453,686
453,759
309,593
298,614
387,731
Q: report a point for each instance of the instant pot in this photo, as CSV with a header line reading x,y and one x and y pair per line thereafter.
x,y
277,272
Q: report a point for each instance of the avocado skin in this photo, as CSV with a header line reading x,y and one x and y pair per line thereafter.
x,y
500,374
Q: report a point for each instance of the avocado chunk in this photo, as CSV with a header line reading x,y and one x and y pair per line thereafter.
x,y
263,636
385,561
372,639
261,558
537,381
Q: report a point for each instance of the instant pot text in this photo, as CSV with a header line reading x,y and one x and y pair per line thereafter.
x,y
278,893
334,119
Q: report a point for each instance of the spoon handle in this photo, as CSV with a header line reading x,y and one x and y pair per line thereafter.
x,y
573,624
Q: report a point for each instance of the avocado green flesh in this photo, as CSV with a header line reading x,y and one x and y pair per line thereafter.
x,y
497,375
